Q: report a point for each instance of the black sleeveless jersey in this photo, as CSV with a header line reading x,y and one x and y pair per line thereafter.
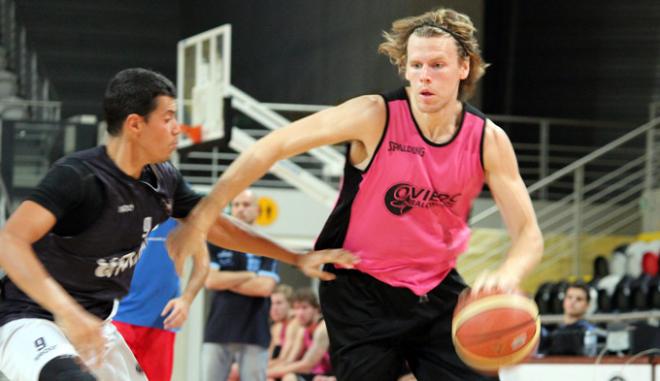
x,y
96,265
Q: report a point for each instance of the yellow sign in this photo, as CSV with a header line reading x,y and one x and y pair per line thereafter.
x,y
267,211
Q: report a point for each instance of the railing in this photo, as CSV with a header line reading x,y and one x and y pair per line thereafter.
x,y
290,172
30,109
218,162
21,59
607,205
652,144
329,157
311,172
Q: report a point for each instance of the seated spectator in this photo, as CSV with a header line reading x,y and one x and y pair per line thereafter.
x,y
284,326
315,360
575,336
576,303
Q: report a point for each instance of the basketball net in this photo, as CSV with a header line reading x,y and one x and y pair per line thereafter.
x,y
193,133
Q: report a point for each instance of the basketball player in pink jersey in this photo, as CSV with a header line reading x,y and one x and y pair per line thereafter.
x,y
417,158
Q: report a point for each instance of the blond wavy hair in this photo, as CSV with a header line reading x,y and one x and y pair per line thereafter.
x,y
438,22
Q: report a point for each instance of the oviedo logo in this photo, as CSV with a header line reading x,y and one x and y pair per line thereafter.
x,y
402,197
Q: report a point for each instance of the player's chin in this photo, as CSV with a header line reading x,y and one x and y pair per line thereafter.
x,y
165,155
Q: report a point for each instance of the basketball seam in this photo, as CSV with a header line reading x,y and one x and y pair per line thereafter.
x,y
489,364
503,301
499,332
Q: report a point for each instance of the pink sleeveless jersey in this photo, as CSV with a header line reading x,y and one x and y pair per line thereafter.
x,y
323,367
406,215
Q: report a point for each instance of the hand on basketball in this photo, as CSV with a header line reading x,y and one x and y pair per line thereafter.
x,y
85,332
501,279
311,263
183,241
176,311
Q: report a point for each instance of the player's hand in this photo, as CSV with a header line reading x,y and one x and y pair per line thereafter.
x,y
176,311
501,279
311,263
85,332
183,241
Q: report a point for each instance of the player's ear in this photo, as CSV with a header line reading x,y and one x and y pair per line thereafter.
x,y
133,124
464,68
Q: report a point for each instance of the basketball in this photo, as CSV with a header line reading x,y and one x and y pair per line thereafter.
x,y
495,329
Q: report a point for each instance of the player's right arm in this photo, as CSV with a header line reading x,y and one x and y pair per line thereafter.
x,y
60,196
359,120
26,225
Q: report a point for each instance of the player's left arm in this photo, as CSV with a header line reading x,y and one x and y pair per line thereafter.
x,y
233,234
515,206
177,309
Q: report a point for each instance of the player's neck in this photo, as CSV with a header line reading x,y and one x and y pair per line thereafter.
x,y
440,126
126,156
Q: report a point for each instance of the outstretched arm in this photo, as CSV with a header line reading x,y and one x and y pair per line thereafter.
x,y
514,203
354,120
346,122
231,233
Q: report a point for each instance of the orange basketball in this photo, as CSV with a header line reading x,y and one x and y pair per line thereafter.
x,y
495,329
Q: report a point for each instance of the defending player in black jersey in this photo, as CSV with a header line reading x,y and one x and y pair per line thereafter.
x,y
69,250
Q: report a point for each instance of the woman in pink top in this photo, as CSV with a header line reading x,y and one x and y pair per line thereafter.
x,y
284,328
416,160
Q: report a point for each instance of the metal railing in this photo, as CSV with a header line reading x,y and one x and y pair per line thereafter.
x,y
311,172
260,112
202,169
595,209
50,111
21,59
